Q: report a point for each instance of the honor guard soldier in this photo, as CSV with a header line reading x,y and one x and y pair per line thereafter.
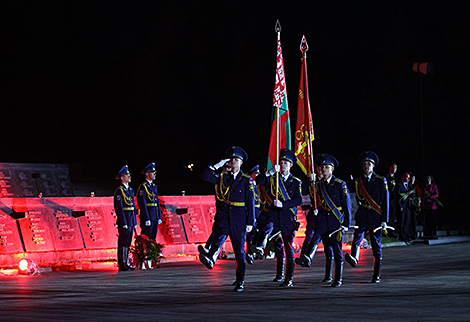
x,y
253,173
124,207
204,249
311,217
372,214
333,218
235,214
149,206
282,213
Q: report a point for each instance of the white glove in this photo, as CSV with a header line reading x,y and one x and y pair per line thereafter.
x,y
220,163
159,221
344,229
148,223
315,212
124,227
273,170
248,228
312,177
383,225
277,203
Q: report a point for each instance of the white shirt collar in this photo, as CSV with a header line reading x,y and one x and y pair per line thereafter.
x,y
328,180
235,174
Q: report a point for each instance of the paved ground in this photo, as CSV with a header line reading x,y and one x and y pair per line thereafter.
x,y
420,283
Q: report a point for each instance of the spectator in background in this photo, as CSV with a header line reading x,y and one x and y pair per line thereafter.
x,y
415,206
404,202
393,203
429,196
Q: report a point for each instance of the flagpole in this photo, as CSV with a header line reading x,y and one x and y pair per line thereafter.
x,y
278,30
303,49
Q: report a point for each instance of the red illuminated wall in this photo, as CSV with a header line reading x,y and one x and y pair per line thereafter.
x,y
68,229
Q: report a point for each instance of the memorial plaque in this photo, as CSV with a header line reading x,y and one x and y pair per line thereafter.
x,y
28,180
171,229
10,241
66,231
196,224
97,222
35,229
5,184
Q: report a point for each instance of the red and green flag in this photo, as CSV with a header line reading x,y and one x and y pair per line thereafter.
x,y
280,126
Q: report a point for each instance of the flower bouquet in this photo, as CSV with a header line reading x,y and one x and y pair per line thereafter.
x,y
146,252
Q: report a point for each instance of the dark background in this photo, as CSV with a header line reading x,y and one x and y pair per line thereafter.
x,y
100,84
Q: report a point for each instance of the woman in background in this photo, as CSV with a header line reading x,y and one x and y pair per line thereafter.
x,y
429,207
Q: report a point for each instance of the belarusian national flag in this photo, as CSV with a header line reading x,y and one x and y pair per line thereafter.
x,y
280,101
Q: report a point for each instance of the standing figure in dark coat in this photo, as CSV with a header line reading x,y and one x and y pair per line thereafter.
x,y
235,214
124,206
334,216
404,196
149,206
372,216
282,214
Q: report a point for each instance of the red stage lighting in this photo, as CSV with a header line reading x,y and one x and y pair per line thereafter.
x,y
27,267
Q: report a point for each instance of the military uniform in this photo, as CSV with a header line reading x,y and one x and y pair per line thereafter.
x,y
235,211
149,206
124,206
282,219
250,236
373,199
312,219
334,213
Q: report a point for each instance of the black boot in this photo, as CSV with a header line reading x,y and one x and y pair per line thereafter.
x,y
338,274
353,258
377,265
240,282
329,270
120,259
259,244
305,260
279,270
209,258
289,279
125,254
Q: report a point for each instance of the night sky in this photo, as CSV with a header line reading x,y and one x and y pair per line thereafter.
x,y
100,84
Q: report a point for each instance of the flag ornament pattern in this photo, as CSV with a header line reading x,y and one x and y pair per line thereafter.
x,y
304,125
279,102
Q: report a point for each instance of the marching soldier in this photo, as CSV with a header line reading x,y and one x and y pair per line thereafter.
x,y
372,216
249,238
204,249
149,206
235,211
126,220
333,216
311,217
282,214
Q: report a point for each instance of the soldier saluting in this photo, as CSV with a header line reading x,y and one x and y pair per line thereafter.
x,y
235,214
